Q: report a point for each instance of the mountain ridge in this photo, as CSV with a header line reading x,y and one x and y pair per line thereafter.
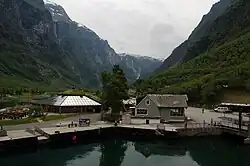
x,y
103,56
217,64
40,49
27,28
179,53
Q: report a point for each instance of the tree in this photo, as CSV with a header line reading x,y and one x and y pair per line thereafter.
x,y
113,152
115,89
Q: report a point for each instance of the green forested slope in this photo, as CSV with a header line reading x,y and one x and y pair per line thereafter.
x,y
219,62
30,55
179,53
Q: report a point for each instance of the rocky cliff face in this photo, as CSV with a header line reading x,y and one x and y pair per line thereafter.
x,y
29,48
91,54
180,52
41,46
138,66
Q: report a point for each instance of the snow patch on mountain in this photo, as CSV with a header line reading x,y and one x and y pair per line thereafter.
x,y
50,2
141,57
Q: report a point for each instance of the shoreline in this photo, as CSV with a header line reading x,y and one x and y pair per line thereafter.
x,y
60,137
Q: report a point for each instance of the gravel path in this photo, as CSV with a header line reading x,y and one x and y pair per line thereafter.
x,y
197,116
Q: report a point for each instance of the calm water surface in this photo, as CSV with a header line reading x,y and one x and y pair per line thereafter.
x,y
189,152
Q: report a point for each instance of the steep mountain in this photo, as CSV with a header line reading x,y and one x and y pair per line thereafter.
x,y
180,52
42,47
138,66
30,54
216,64
91,54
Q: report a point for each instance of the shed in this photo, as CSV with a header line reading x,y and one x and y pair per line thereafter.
x,y
70,104
129,103
166,107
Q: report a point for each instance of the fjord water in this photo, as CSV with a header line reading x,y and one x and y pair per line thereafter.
x,y
188,152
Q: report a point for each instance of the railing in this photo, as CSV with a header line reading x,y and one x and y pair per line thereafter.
x,y
31,131
161,127
233,126
195,129
216,124
40,131
214,128
197,125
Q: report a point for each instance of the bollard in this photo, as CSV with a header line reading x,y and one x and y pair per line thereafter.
x,y
74,139
248,128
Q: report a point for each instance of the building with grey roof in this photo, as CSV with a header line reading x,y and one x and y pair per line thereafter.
x,y
63,104
166,107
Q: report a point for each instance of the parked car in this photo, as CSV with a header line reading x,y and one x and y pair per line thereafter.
x,y
222,109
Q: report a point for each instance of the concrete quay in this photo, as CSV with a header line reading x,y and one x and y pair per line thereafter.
x,y
44,134
35,135
16,134
33,138
61,130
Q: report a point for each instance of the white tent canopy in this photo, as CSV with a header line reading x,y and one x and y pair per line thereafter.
x,y
70,101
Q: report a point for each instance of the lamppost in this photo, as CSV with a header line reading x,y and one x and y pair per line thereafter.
x,y
240,118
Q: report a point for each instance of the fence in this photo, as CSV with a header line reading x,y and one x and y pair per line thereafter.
x,y
214,128
40,131
228,124
161,127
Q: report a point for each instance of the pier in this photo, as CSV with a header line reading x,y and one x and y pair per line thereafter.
x,y
70,133
192,129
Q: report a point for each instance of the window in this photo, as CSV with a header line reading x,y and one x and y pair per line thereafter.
x,y
142,111
147,102
177,112
176,102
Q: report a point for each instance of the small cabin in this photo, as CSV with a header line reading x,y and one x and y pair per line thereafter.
x,y
166,107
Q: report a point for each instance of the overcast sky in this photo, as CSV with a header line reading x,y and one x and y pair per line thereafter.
x,y
145,27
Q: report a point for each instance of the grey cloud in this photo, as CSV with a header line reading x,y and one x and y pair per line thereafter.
x,y
163,39
145,27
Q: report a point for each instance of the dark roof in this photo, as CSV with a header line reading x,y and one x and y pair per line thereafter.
x,y
235,107
168,100
235,104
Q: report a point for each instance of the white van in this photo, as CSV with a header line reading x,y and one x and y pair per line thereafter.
x,y
222,109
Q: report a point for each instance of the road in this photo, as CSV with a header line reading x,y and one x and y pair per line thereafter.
x,y
91,116
197,116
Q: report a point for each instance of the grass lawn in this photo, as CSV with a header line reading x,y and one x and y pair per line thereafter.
x,y
17,122
57,117
33,120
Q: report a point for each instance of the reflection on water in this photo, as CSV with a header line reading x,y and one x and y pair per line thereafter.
x,y
188,152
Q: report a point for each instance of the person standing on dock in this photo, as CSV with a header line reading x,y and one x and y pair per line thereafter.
x,y
185,123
